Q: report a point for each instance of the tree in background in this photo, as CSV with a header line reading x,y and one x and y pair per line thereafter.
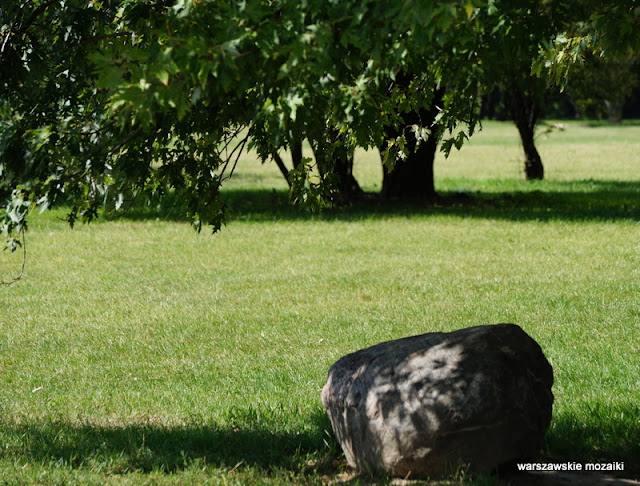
x,y
600,86
513,40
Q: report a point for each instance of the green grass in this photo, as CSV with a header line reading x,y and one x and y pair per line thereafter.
x,y
137,351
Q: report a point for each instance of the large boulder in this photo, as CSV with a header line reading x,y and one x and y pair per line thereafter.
x,y
478,398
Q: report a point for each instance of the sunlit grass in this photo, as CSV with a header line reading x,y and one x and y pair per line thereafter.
x,y
138,350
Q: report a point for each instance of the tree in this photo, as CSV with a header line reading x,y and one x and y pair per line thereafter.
x,y
570,30
108,101
512,44
526,98
114,100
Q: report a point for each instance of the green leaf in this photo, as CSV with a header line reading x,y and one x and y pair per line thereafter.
x,y
163,76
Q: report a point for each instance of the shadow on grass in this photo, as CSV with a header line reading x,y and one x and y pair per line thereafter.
x,y
570,201
169,449
263,450
605,433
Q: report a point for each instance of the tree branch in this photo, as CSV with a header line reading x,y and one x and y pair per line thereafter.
x,y
239,148
131,136
279,162
27,24
24,260
36,13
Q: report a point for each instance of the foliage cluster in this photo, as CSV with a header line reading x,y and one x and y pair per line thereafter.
x,y
107,101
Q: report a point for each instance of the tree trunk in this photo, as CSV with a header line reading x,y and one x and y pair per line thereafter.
x,y
296,159
525,112
412,178
348,186
533,168
283,168
340,166
296,153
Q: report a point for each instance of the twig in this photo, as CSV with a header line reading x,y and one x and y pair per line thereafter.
x,y
6,39
240,146
235,163
93,132
230,138
24,260
133,135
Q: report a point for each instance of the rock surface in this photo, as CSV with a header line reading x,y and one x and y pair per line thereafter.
x,y
424,405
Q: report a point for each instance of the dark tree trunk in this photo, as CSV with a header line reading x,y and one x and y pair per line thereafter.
x,y
525,112
412,178
296,153
296,159
283,168
533,168
347,185
340,166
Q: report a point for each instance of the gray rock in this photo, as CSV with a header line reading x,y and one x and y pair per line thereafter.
x,y
425,405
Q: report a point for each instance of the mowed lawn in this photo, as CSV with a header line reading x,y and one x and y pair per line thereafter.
x,y
137,351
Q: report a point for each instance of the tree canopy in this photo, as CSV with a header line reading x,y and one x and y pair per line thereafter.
x,y
103,102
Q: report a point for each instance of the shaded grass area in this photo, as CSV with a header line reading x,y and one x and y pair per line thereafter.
x,y
252,445
568,201
250,438
597,431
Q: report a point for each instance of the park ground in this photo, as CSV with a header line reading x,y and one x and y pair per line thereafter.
x,y
136,351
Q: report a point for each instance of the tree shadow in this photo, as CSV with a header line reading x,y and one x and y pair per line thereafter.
x,y
565,201
313,452
168,449
627,122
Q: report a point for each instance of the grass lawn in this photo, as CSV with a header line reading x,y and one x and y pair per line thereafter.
x,y
137,351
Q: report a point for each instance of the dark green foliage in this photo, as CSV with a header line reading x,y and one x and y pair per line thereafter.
x,y
110,101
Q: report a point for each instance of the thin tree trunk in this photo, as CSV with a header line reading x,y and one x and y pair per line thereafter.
x,y
283,168
533,168
296,159
525,112
348,187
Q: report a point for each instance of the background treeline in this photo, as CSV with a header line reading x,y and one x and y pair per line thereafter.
x,y
599,89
